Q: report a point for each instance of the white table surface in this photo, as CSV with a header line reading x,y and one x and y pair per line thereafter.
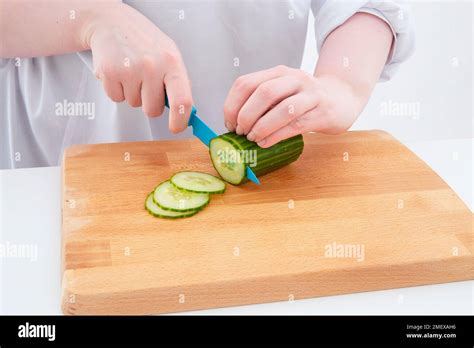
x,y
30,213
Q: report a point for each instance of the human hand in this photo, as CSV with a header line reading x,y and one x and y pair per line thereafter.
x,y
136,62
275,104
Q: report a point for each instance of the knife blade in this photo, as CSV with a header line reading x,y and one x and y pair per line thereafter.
x,y
204,133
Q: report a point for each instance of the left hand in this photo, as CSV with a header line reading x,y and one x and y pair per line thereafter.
x,y
275,104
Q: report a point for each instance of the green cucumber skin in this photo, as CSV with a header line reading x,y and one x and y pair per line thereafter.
x,y
184,215
195,191
268,159
178,210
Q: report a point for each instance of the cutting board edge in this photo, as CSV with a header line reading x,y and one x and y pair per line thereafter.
x,y
147,300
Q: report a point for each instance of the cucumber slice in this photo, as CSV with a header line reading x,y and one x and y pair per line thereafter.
x,y
155,210
230,167
169,197
232,153
198,182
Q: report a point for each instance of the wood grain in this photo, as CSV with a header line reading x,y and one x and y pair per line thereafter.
x,y
257,243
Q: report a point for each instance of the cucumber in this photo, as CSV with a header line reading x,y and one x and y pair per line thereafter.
x,y
232,153
155,210
198,182
169,197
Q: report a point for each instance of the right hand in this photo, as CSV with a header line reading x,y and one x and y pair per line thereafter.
x,y
137,62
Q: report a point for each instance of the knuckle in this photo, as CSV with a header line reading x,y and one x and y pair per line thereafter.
x,y
289,109
241,84
125,73
281,68
266,92
297,125
184,102
259,132
182,105
229,110
243,121
150,64
108,69
171,57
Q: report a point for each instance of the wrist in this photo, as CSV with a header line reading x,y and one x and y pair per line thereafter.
x,y
93,17
358,92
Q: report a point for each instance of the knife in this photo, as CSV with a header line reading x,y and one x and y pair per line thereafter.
x,y
202,131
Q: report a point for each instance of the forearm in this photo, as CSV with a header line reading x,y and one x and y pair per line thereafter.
x,y
31,28
356,53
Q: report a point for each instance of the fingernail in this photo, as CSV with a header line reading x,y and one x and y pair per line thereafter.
x,y
251,136
238,130
261,142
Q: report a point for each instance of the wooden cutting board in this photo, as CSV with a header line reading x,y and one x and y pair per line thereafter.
x,y
357,212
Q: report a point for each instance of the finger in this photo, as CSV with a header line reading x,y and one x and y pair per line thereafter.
x,y
267,95
113,89
132,92
299,125
243,88
282,114
153,96
180,99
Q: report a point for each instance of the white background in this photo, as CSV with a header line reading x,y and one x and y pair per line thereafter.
x,y
431,77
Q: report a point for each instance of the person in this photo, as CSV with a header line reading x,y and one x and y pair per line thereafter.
x,y
238,62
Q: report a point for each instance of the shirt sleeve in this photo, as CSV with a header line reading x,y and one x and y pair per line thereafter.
x,y
330,14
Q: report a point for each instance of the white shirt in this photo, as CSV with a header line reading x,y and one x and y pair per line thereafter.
x,y
50,103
